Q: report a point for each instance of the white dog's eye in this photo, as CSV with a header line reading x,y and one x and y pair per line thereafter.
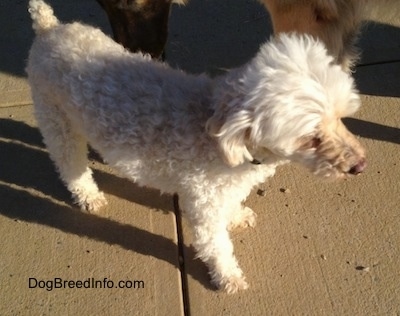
x,y
315,142
310,143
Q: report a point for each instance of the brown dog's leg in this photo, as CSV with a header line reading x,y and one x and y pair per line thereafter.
x,y
139,25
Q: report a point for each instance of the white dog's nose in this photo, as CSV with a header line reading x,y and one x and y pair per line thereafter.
x,y
359,167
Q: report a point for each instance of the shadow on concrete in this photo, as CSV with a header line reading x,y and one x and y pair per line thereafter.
x,y
378,71
379,80
223,29
373,130
21,205
28,165
16,28
212,36
379,43
28,168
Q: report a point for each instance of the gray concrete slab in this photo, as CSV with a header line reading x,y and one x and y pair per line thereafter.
x,y
133,239
318,249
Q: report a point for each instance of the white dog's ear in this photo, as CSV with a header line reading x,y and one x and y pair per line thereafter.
x,y
232,131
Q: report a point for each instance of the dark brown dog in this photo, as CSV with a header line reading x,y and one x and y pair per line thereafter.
x,y
139,25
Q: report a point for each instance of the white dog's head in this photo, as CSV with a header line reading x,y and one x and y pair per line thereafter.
x,y
289,101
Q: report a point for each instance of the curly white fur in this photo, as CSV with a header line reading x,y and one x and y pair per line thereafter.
x,y
192,135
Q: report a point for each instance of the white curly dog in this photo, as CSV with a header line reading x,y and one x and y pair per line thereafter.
x,y
209,140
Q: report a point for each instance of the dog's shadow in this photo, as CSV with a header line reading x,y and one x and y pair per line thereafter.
x,y
25,167
373,130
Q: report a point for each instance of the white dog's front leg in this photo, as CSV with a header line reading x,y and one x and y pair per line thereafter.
x,y
215,248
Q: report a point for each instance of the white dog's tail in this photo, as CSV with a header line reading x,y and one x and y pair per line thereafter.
x,y
42,16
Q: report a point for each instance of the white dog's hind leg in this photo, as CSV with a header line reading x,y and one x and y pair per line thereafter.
x,y
68,150
243,217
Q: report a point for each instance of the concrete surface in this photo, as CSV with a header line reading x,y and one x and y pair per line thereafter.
x,y
318,249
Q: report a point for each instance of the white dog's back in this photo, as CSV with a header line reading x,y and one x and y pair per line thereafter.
x,y
118,98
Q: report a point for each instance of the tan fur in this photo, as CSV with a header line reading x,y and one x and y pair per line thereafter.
x,y
335,22
338,147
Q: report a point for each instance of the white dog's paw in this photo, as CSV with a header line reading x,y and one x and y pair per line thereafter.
x,y
246,217
249,217
232,284
91,203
